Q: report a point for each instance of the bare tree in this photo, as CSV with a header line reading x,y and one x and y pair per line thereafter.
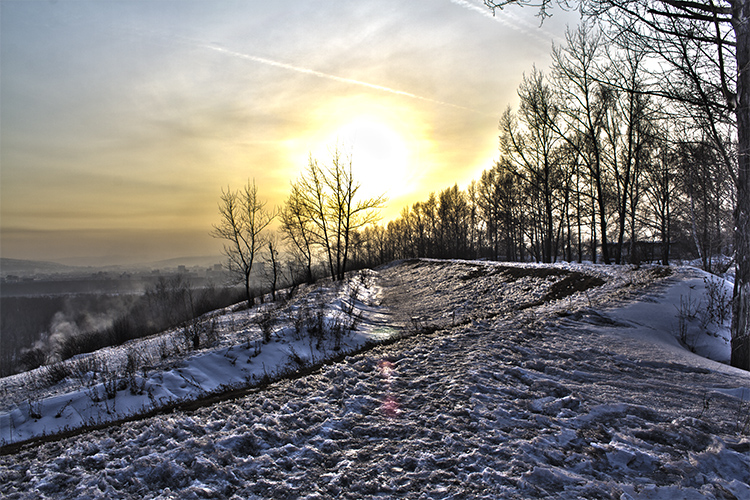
x,y
454,213
708,191
499,205
313,200
429,210
329,196
660,188
273,269
530,153
490,202
629,130
707,45
585,104
706,48
421,230
376,244
244,219
297,227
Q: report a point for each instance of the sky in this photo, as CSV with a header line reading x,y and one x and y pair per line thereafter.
x,y
122,121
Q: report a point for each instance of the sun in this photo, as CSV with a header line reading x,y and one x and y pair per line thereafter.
x,y
380,156
389,144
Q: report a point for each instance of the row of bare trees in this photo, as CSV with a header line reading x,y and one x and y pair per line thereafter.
x,y
320,220
644,135
590,167
695,54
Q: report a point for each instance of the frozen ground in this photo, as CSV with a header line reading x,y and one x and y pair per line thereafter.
x,y
514,382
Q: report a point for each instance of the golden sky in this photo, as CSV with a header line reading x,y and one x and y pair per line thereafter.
x,y
121,121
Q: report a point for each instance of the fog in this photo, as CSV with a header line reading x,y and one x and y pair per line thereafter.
x,y
45,305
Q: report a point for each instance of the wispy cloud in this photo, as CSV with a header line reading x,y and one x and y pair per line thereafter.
x,y
298,69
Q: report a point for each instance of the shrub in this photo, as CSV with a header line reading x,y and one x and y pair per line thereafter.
x,y
337,327
718,300
317,325
85,365
191,334
133,362
54,373
300,319
32,358
266,320
80,343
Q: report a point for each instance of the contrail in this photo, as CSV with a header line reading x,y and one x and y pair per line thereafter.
x,y
299,69
530,30
341,79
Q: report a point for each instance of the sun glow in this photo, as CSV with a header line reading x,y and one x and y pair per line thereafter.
x,y
390,144
380,156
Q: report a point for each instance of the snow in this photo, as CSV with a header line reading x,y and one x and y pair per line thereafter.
x,y
197,375
493,381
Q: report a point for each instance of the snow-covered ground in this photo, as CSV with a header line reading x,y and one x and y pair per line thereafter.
x,y
566,381
165,371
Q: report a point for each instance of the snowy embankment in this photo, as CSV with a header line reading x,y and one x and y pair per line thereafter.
x,y
520,382
248,348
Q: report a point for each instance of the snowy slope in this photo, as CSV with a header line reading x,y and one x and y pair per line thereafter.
x,y
511,382
169,373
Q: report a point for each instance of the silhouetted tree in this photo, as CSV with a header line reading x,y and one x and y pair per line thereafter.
x,y
454,222
244,220
298,229
629,132
530,153
660,191
707,188
273,268
329,197
584,106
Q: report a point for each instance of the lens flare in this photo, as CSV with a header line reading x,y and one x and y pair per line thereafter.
x,y
390,406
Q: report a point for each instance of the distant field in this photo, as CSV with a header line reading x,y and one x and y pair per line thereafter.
x,y
67,287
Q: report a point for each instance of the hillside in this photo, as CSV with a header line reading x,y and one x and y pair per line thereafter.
x,y
490,381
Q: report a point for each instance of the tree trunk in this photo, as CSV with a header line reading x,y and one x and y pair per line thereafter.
x,y
578,222
345,258
593,230
602,220
741,304
634,259
310,279
665,239
549,228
